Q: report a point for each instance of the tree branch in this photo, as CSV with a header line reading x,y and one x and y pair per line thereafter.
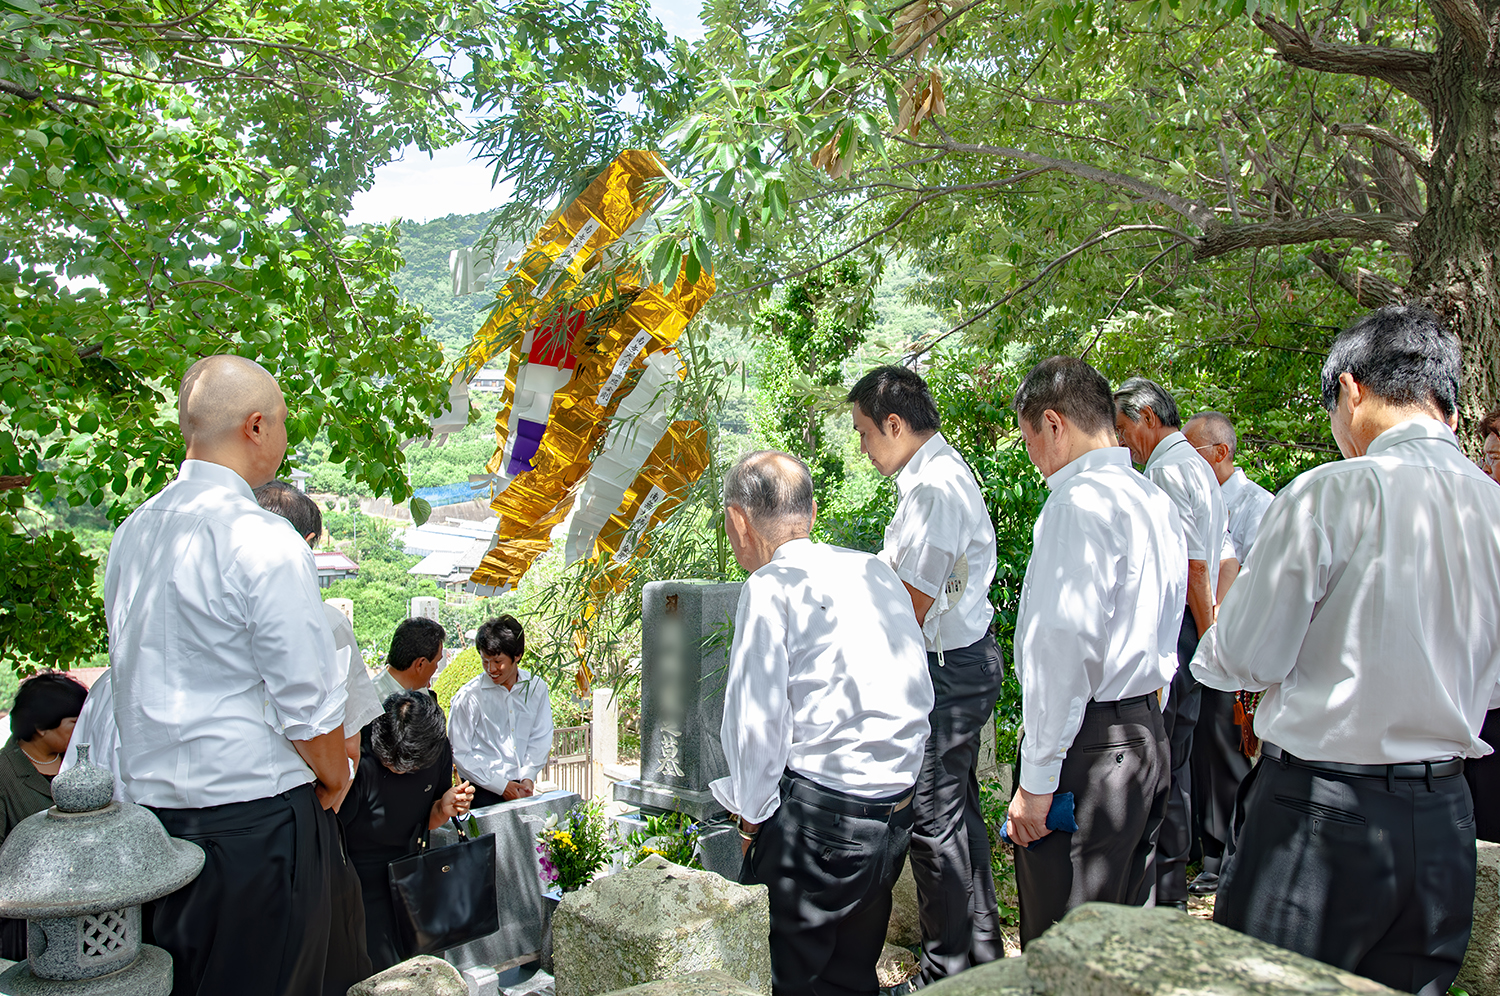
x,y
6,86
1370,290
1408,70
1395,142
9,482
1199,214
1470,22
1224,239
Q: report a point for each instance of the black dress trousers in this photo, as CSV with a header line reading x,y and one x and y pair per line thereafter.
x,y
1370,875
1218,768
950,843
1118,772
1483,776
830,875
1175,841
256,919
348,956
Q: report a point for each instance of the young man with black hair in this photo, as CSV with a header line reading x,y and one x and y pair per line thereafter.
x,y
941,544
1364,617
1096,641
501,721
415,653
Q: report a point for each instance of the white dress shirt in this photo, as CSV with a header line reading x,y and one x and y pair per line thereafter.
x,y
218,644
386,685
96,727
1101,605
1179,470
501,735
1246,503
1369,612
827,677
941,542
363,705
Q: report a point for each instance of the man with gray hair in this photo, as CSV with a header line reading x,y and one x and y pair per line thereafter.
x,y
1146,421
1365,614
1219,762
825,722
228,696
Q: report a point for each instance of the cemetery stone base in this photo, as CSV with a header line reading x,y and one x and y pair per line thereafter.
x,y
1480,975
659,921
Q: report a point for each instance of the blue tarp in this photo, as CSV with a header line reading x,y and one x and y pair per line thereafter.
x,y
447,494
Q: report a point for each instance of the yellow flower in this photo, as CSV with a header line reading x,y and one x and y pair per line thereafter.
x,y
651,850
562,837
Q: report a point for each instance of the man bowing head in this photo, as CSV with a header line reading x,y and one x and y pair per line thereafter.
x,y
825,721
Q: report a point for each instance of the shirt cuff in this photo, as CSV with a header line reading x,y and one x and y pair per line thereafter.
x,y
723,790
329,717
921,584
1040,779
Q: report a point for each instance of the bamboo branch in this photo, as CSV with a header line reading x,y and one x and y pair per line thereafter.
x,y
1408,70
1395,142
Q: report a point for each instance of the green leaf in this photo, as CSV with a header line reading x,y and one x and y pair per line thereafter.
x,y
421,510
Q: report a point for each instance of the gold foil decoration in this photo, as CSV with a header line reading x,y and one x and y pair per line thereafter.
x,y
624,323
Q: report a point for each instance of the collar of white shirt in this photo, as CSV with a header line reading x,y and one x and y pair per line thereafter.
x,y
908,476
790,548
1159,454
522,677
215,473
1234,484
1092,460
1418,427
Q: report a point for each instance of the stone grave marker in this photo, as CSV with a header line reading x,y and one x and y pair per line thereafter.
x,y
523,911
687,628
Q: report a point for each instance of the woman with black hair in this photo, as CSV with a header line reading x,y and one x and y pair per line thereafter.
x,y
41,724
402,789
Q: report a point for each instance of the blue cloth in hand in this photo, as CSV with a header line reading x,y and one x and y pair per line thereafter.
x,y
1059,817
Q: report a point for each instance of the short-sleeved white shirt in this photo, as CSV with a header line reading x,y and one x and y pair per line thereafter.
x,y
942,543
501,735
1178,469
1246,502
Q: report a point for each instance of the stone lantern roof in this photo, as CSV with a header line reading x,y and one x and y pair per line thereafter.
x,y
78,872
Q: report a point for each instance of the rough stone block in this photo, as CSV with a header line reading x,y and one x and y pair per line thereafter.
x,y
1480,975
423,975
895,966
692,984
482,981
523,911
1006,977
660,921
1104,950
905,927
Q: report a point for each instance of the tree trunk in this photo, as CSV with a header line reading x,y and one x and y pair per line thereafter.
x,y
1453,255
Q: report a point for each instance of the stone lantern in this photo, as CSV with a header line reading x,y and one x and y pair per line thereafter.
x,y
78,873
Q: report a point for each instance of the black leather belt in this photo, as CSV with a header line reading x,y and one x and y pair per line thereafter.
x,y
805,790
1424,771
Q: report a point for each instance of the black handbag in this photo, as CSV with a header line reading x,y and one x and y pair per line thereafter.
x,y
445,896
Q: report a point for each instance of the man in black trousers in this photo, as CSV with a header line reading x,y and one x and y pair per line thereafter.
x,y
1096,639
1366,615
825,720
941,544
228,696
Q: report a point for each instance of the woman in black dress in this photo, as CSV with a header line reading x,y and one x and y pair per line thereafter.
x,y
402,788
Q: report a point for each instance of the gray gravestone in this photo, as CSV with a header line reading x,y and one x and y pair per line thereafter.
x,y
523,911
686,631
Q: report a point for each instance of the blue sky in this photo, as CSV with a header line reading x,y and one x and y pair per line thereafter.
x,y
420,188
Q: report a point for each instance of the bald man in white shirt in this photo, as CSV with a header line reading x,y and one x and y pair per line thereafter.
x,y
1363,615
1096,642
1148,423
228,696
825,721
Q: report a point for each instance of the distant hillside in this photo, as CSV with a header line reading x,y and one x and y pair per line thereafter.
x,y
425,278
